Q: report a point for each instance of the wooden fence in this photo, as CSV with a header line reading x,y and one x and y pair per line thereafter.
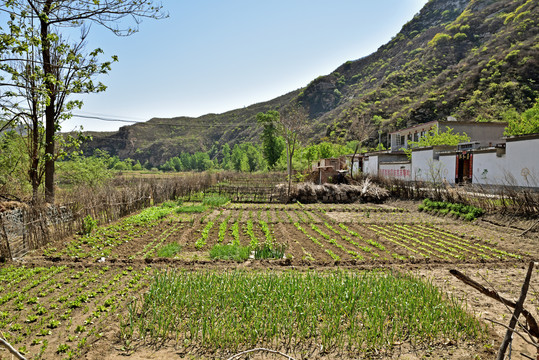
x,y
28,228
257,194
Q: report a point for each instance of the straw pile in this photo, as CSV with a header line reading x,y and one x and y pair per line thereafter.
x,y
366,191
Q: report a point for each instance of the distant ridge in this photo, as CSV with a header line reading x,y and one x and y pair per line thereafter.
x,y
470,59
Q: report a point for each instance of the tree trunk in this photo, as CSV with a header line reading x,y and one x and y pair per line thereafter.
x,y
49,156
34,160
358,147
288,168
50,121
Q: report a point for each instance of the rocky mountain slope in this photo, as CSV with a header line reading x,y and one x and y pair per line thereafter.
x,y
470,59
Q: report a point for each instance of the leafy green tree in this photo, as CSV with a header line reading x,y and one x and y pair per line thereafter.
x,y
255,157
40,69
187,162
137,166
84,171
244,163
526,123
272,148
435,137
178,166
239,159
121,166
13,160
225,151
168,166
326,150
202,161
311,154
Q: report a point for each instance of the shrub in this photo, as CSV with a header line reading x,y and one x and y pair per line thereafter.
x,y
439,38
460,36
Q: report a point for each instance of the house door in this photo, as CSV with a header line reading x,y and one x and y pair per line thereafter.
x,y
464,168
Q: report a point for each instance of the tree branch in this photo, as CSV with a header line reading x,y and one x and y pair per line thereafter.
x,y
516,332
11,349
532,323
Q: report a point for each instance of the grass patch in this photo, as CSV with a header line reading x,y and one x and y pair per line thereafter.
x,y
191,209
230,252
215,200
172,204
169,250
350,313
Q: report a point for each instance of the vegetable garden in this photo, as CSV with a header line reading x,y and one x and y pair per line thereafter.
x,y
131,282
310,234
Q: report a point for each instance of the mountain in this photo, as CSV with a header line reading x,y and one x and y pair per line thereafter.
x,y
470,59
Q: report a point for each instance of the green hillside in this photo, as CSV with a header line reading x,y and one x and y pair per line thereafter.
x,y
470,59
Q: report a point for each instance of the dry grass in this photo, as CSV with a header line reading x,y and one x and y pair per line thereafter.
x,y
503,199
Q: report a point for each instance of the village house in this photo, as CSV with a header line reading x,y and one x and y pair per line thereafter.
x,y
487,159
482,134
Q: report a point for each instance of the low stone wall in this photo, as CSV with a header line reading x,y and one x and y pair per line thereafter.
x,y
12,233
17,227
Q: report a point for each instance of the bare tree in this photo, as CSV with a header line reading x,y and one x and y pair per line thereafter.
x,y
360,129
292,121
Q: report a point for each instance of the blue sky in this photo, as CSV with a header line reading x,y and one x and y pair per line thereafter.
x,y
212,56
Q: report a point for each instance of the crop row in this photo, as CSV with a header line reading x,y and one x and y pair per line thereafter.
x,y
62,303
355,314
101,242
392,241
428,241
255,226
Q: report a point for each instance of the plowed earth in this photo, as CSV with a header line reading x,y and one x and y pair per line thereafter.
x,y
68,299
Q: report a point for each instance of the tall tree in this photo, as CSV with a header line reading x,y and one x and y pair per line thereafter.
x,y
292,121
44,69
272,148
436,137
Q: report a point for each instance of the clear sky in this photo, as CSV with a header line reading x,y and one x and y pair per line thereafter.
x,y
211,56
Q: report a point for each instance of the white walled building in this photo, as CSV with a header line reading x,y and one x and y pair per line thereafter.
x,y
426,164
515,163
512,161
386,163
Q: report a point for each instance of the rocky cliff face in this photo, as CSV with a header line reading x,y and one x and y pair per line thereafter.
x,y
470,59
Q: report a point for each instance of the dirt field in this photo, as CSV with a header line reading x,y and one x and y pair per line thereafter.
x,y
67,300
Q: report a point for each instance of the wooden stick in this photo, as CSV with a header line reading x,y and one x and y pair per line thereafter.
x,y
518,309
11,349
529,229
532,324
